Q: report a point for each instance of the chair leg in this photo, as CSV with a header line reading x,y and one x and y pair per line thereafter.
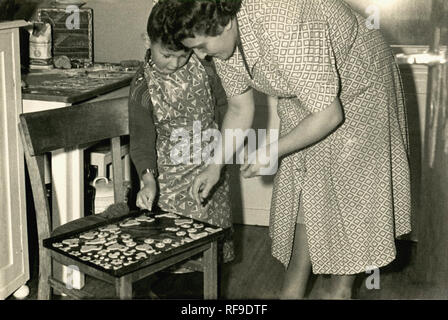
x,y
123,287
44,288
211,272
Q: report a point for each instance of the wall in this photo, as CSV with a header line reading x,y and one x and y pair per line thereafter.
x,y
118,28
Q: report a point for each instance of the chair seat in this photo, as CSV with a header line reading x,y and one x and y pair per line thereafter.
x,y
114,210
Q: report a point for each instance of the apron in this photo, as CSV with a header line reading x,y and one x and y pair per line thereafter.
x,y
183,104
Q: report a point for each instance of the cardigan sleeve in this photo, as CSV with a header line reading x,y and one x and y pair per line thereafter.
x,y
218,91
142,132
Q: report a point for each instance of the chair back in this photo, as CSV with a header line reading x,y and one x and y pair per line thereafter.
x,y
66,128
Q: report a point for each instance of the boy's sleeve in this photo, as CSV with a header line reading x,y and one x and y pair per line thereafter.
x,y
142,132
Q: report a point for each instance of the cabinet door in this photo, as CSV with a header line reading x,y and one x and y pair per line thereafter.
x,y
14,267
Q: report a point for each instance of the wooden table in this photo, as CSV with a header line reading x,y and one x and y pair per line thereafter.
x,y
62,88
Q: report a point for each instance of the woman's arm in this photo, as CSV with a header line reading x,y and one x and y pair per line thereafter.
x,y
239,116
312,129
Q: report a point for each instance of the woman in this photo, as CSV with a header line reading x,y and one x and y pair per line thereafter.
x,y
342,191
173,90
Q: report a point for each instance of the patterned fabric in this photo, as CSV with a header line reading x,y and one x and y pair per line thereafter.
x,y
355,183
183,101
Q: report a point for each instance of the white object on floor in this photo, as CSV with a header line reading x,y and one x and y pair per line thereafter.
x,y
22,292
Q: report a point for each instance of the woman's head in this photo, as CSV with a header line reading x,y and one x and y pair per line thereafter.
x,y
207,26
167,54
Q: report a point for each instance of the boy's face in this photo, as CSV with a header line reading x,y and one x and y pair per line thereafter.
x,y
167,61
221,46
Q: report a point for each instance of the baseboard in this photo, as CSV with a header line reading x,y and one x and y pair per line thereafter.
x,y
253,216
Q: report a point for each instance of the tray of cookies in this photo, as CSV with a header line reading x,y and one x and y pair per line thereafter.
x,y
125,244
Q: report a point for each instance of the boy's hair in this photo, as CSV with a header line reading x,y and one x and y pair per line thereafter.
x,y
186,18
158,27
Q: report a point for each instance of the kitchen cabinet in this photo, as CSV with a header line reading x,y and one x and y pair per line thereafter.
x,y
14,266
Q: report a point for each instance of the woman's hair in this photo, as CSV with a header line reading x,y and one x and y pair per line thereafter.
x,y
187,18
158,27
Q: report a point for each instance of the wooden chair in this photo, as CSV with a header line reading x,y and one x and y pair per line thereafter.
x,y
79,125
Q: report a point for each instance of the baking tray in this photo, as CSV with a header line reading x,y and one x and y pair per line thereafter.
x,y
156,230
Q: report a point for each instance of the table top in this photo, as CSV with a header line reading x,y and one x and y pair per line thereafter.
x,y
75,85
122,245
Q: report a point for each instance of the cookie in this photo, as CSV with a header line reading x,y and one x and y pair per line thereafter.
x,y
167,240
112,237
198,225
116,246
89,235
181,233
110,228
88,248
167,215
116,262
160,245
71,242
149,241
125,236
129,253
196,236
140,255
143,247
57,245
212,230
114,255
192,230
145,219
131,244
96,241
178,222
110,243
129,223
173,229
186,226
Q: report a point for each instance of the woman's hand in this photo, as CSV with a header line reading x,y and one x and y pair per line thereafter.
x,y
264,161
204,182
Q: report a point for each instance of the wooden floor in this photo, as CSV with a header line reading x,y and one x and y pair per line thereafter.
x,y
254,274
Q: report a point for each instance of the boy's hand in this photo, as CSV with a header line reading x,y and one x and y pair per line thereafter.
x,y
146,196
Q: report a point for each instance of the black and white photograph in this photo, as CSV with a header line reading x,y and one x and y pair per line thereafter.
x,y
248,151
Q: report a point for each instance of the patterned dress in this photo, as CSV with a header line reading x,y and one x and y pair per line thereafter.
x,y
183,101
354,184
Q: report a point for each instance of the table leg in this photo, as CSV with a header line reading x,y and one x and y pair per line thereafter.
x,y
68,201
211,272
123,287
